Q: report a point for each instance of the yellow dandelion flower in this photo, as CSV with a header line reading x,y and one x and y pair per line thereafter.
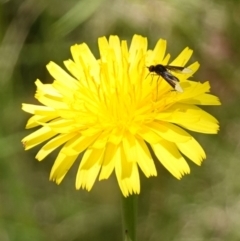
x,y
113,112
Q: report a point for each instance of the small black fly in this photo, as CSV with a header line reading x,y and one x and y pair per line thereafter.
x,y
163,71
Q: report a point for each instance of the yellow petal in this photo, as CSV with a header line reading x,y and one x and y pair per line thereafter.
x,y
192,150
129,145
65,89
204,99
166,59
59,74
169,131
61,125
114,43
33,109
138,44
127,174
157,55
36,120
76,52
86,178
38,137
108,161
61,166
53,144
91,157
190,117
182,58
194,89
144,159
87,59
74,69
130,185
148,135
80,143
89,168
168,154
46,90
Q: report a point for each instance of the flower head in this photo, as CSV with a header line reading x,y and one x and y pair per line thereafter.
x,y
113,112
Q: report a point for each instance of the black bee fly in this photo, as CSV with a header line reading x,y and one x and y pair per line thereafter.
x,y
163,71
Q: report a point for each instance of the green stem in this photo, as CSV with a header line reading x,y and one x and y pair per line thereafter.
x,y
129,214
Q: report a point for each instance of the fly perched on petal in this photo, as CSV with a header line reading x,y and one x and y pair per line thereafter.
x,y
112,111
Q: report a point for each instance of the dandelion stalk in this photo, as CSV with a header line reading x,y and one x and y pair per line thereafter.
x,y
129,216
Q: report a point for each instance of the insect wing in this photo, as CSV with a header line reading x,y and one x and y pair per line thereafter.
x,y
178,87
178,69
172,80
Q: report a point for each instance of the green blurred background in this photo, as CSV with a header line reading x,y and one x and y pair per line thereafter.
x,y
204,205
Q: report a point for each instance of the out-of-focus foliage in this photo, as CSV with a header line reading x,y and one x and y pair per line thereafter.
x,y
203,206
